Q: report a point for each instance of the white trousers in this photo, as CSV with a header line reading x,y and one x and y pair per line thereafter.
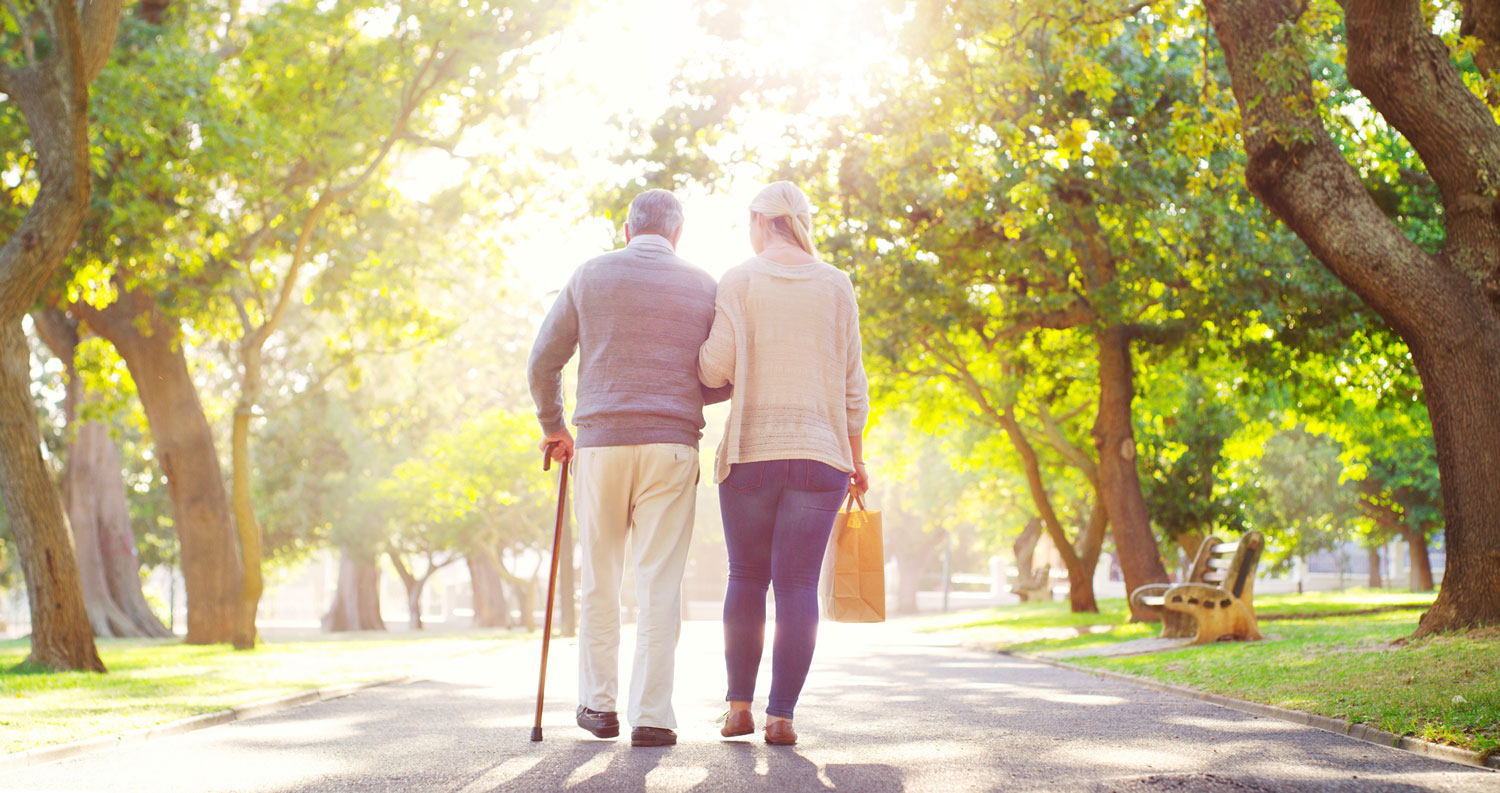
x,y
645,493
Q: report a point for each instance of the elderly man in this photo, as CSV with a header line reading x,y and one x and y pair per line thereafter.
x,y
637,316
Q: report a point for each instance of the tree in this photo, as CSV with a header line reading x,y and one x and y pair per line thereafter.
x,y
926,495
153,189
244,214
1192,414
372,92
50,89
94,492
1380,419
1445,304
1047,193
1305,503
472,490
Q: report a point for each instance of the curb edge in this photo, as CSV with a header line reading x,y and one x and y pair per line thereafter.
x,y
249,710
1357,730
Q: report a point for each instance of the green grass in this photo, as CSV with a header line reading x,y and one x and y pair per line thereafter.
x,y
154,681
1317,657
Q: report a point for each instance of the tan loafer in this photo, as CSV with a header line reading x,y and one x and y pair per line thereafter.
x,y
780,733
740,722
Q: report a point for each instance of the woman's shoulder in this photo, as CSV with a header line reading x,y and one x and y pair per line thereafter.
x,y
832,273
837,278
736,276
742,270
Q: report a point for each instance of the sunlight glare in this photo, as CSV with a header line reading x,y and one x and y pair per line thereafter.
x,y
621,62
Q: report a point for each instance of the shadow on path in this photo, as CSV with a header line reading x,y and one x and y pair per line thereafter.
x,y
881,714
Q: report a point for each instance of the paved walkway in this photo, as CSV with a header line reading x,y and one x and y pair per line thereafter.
x,y
884,711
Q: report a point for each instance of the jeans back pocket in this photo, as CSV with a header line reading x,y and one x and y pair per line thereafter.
x,y
745,476
820,477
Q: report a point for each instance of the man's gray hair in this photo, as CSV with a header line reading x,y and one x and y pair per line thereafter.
x,y
655,212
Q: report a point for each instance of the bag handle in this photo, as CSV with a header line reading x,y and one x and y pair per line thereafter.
x,y
855,497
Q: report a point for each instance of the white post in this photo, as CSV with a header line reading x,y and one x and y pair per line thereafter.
x,y
997,578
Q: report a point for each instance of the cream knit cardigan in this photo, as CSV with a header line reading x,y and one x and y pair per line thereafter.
x,y
787,337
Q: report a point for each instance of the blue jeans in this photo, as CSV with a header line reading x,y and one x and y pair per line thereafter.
x,y
777,517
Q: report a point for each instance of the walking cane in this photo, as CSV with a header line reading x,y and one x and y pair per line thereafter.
x,y
562,506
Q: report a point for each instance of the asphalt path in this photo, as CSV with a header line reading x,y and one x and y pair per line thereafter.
x,y
884,710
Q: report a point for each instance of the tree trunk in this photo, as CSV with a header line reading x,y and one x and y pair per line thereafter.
x,y
413,586
1119,483
414,602
1090,542
1373,553
1080,580
51,94
94,493
61,636
253,584
85,480
184,444
525,593
1463,401
356,600
491,610
1421,566
1446,307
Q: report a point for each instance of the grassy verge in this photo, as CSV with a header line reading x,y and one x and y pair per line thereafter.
x,y
1335,654
155,681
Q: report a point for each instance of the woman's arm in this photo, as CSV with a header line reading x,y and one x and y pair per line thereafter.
x,y
856,397
860,479
716,356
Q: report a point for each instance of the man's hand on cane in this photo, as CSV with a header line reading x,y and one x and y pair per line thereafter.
x,y
562,451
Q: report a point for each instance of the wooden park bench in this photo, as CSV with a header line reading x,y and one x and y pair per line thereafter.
x,y
1215,602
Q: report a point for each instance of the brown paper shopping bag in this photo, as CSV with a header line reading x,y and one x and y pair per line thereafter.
x,y
853,583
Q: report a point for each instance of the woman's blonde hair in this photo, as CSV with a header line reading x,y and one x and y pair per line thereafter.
x,y
786,209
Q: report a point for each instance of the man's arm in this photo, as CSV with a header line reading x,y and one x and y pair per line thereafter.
x,y
555,344
713,396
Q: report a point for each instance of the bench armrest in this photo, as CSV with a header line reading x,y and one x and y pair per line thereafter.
x,y
1149,595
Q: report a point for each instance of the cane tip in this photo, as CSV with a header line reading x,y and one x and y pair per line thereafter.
x,y
536,733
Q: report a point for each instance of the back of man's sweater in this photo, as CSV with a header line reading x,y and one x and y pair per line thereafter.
x,y
637,316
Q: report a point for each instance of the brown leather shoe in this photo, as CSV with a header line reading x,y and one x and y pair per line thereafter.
x,y
740,722
780,733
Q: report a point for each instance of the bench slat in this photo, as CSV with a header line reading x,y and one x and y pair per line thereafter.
x,y
1226,547
1215,577
1220,564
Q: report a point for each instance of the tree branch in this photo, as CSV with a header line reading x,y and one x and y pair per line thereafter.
x,y
1408,74
1039,495
289,282
1071,316
23,26
100,23
401,570
1058,440
1298,171
414,95
959,373
1481,20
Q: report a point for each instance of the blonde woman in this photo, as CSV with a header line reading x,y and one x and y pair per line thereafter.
x,y
786,335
